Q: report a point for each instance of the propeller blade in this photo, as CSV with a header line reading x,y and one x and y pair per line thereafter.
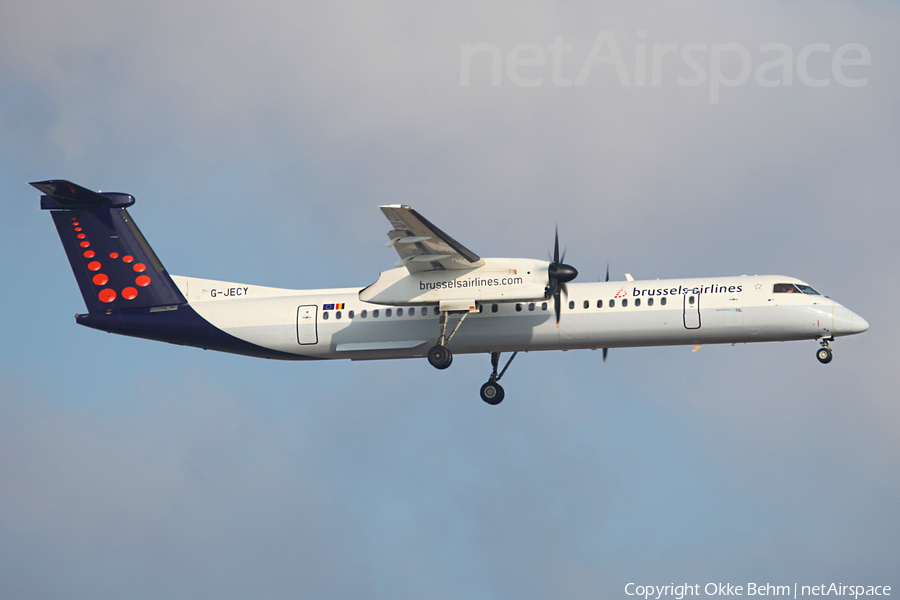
x,y
550,290
607,278
605,352
560,289
557,304
556,246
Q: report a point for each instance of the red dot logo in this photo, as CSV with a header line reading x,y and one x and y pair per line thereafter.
x,y
85,244
129,293
94,265
77,228
139,267
128,258
81,236
76,223
89,254
100,279
107,295
114,255
142,281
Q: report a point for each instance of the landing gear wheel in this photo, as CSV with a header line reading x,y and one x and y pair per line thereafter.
x,y
824,355
440,357
492,393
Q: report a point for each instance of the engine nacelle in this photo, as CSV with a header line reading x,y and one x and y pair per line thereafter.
x,y
498,280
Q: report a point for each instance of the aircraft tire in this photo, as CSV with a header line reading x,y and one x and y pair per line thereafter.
x,y
440,357
492,393
824,355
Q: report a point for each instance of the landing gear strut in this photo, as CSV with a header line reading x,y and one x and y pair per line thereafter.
x,y
440,356
491,392
824,353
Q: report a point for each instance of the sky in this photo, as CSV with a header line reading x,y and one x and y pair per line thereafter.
x,y
666,139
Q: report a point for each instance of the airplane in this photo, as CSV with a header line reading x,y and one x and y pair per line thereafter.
x,y
439,299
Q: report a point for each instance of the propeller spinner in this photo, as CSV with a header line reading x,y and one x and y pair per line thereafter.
x,y
558,274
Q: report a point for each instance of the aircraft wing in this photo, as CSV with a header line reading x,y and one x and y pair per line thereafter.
x,y
422,246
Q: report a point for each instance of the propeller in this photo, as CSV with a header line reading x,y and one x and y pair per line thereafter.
x,y
606,350
558,274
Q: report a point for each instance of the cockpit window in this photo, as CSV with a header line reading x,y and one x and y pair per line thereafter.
x,y
790,288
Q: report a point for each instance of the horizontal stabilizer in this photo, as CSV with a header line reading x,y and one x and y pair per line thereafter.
x,y
60,194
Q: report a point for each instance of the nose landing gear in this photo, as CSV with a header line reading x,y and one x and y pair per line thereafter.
x,y
824,353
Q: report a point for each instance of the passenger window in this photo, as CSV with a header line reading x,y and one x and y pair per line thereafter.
x,y
612,303
412,312
531,306
662,301
350,314
325,315
337,315
424,311
637,301
518,308
571,304
587,303
437,310
624,302
690,299
543,306
388,312
364,314
399,312
599,303
494,308
649,301
375,314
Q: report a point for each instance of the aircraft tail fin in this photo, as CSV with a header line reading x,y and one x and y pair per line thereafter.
x,y
113,264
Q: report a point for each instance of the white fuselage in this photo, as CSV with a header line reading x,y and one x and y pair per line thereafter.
x,y
335,323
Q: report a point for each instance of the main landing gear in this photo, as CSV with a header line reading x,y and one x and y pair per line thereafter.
x,y
824,353
440,356
491,392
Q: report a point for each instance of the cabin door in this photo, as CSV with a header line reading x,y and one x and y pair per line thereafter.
x,y
692,311
306,325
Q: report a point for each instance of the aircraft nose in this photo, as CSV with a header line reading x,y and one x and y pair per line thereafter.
x,y
847,322
858,324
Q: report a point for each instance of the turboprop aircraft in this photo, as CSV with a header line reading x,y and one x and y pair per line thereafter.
x,y
494,305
